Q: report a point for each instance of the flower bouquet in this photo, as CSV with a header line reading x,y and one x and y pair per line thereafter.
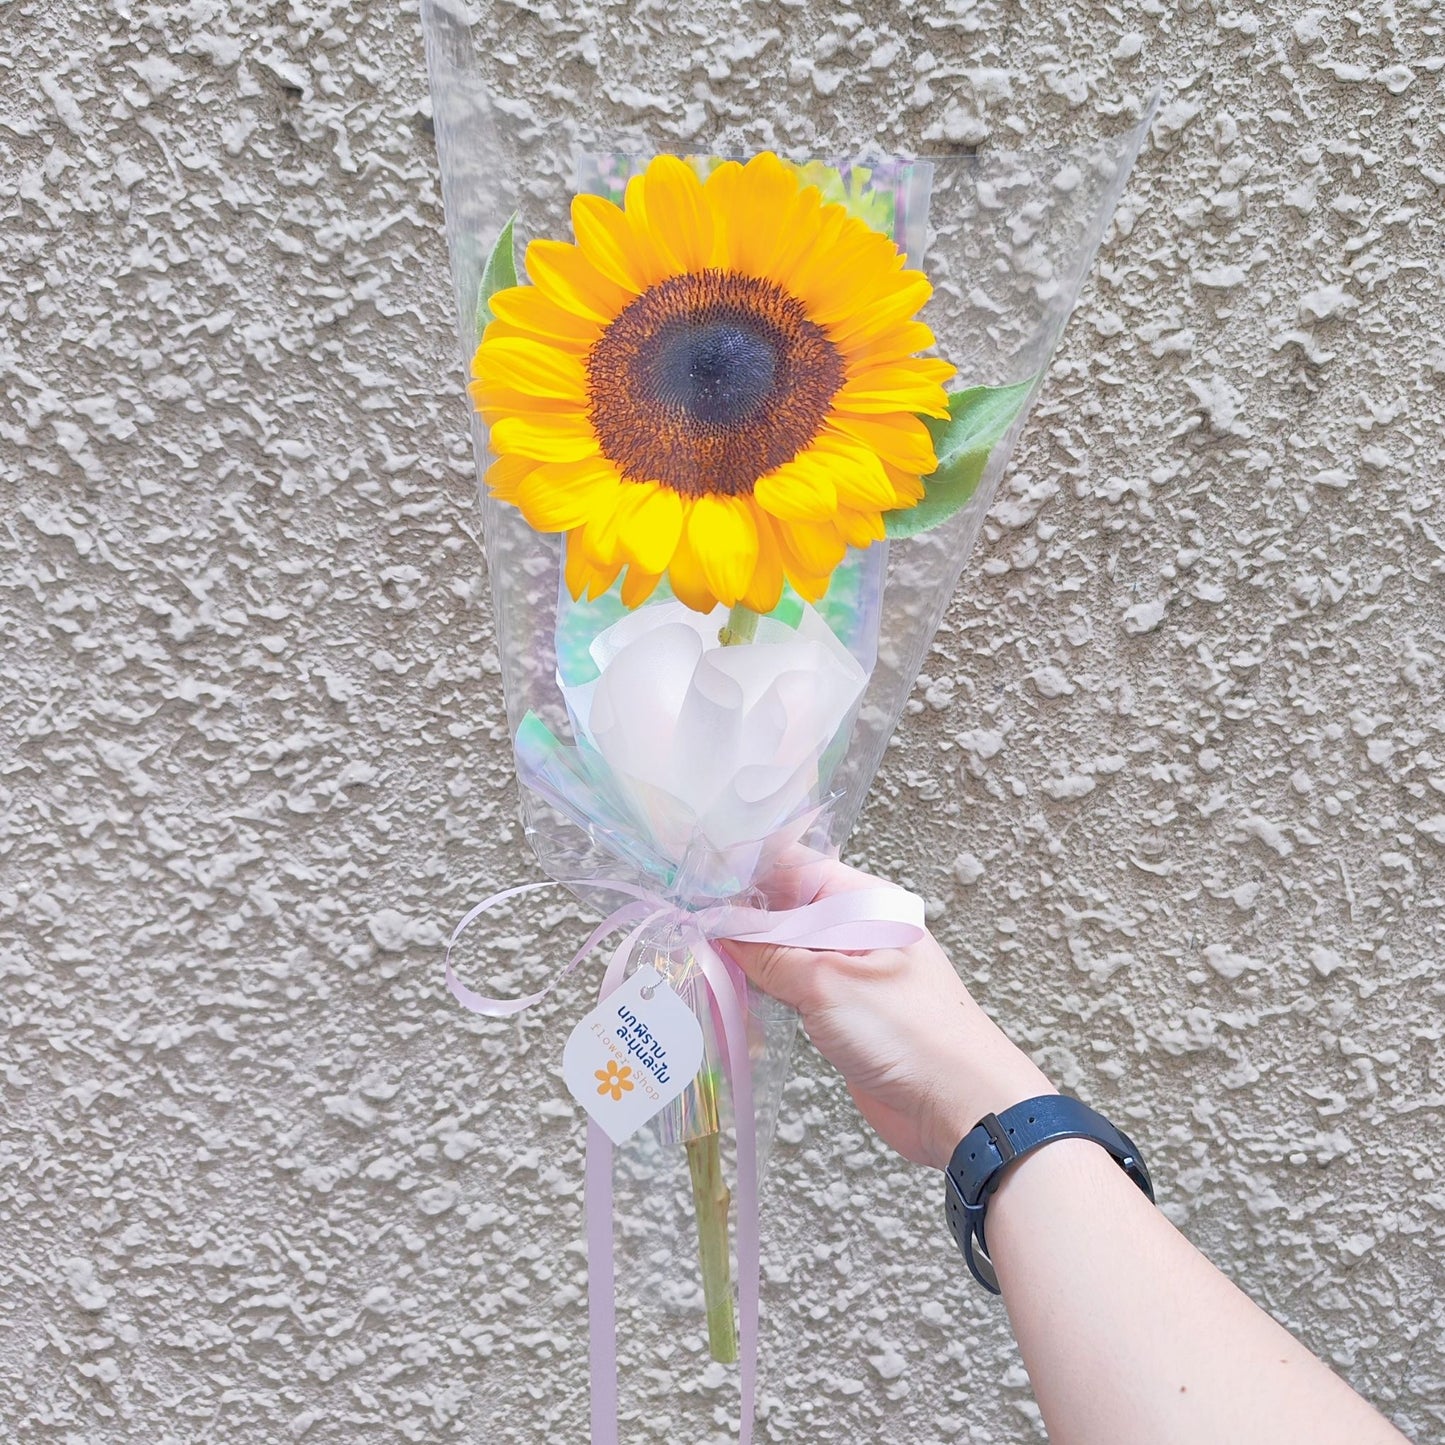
x,y
740,418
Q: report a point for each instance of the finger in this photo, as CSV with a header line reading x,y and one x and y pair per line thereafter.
x,y
788,974
843,878
800,876
796,876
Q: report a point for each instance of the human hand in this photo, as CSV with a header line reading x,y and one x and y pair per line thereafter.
x,y
921,1059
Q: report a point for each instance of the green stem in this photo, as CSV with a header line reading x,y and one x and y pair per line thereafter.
x,y
710,1197
710,1200
741,626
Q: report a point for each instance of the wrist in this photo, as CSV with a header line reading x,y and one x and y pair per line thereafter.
x,y
1029,1141
984,1085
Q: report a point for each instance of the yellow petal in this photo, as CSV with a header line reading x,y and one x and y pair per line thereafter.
x,y
723,534
531,367
724,192
600,535
902,441
597,584
807,585
495,329
634,203
638,586
677,214
754,207
584,574
858,268
650,525
527,310
606,238
908,485
766,587
559,496
562,438
898,343
860,529
874,320
808,226
811,548
685,574
891,393
857,473
497,402
800,490
872,370
563,274
504,474
638,526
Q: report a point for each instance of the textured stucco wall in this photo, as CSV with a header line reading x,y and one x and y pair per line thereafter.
x,y
1174,782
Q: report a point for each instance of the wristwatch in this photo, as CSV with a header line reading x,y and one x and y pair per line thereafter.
x,y
976,1169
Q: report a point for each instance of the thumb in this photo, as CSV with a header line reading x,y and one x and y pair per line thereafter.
x,y
788,974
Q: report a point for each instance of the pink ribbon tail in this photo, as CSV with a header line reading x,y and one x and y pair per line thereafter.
x,y
601,1272
729,992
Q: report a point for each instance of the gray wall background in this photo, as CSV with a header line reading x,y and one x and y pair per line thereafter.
x,y
1174,783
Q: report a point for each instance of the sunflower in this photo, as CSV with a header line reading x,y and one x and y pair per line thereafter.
x,y
718,383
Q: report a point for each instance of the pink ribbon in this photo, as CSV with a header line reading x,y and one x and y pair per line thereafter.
x,y
866,918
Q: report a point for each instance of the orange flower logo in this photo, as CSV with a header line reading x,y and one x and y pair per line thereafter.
x,y
613,1080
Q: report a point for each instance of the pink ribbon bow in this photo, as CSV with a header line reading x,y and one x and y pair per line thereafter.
x,y
867,918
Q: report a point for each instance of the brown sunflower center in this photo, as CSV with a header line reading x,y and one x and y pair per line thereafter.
x,y
709,381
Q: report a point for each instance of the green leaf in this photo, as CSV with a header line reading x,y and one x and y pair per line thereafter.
x,y
978,419
499,272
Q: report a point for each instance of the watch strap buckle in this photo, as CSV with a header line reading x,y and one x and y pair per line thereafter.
x,y
998,1137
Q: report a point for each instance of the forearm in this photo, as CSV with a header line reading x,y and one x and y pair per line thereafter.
x,y
1130,1335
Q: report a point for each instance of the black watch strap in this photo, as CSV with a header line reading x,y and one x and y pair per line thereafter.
x,y
976,1169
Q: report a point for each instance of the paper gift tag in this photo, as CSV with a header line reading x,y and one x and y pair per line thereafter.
x,y
633,1054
